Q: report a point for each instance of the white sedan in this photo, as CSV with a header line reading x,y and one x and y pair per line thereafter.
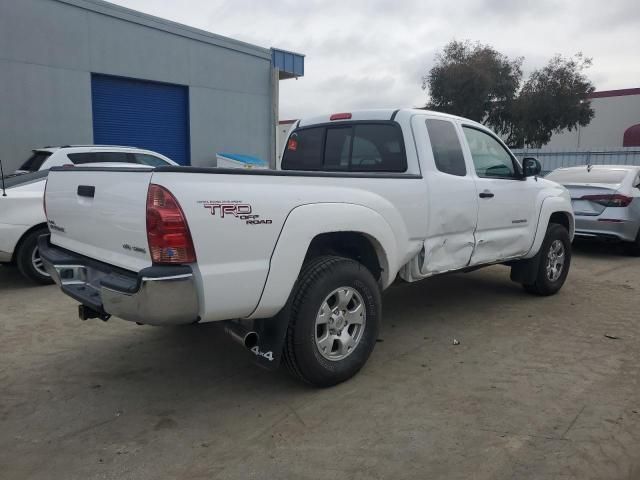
x,y
22,218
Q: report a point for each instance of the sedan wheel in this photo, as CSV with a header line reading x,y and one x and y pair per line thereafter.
x,y
38,264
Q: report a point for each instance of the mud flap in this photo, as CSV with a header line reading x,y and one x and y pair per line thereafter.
x,y
525,271
271,337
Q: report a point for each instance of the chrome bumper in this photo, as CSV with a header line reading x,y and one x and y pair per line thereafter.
x,y
155,296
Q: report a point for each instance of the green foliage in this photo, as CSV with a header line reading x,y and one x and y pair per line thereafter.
x,y
477,82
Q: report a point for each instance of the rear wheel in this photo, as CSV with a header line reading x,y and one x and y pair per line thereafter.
x,y
554,262
28,258
334,321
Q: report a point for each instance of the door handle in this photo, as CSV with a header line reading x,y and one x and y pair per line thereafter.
x,y
486,194
86,191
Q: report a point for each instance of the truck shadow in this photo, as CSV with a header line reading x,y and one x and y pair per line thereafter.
x,y
202,358
601,250
177,381
12,279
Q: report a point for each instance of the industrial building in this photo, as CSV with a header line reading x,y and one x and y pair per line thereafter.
x,y
90,72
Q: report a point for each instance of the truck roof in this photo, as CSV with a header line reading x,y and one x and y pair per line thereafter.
x,y
377,114
111,147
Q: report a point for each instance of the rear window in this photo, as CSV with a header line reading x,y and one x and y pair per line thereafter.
x,y
146,159
585,176
35,161
304,150
359,147
99,157
446,148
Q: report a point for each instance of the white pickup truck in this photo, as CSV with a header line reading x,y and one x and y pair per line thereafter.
x,y
298,258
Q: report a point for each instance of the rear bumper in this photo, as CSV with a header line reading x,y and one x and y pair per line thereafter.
x,y
159,295
605,228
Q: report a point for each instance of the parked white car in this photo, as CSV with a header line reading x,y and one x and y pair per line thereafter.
x,y
302,255
22,218
48,157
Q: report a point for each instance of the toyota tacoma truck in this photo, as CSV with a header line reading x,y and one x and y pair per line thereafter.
x,y
294,260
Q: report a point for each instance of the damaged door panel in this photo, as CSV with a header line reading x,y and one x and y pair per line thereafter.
x,y
452,206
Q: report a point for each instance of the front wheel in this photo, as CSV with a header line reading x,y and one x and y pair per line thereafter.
x,y
334,321
554,262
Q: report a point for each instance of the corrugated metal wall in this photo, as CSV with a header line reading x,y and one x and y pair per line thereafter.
x,y
551,160
141,114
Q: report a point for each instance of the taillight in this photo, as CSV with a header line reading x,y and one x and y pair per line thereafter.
x,y
613,200
167,230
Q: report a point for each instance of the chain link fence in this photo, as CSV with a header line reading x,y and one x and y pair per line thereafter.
x,y
551,160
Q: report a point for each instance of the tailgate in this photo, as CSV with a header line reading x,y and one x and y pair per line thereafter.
x,y
101,214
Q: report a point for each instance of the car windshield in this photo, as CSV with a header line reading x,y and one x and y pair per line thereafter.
x,y
611,176
35,161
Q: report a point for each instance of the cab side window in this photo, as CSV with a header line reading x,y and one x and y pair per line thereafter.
x,y
490,158
447,151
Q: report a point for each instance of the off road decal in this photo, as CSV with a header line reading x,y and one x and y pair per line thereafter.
x,y
234,209
268,355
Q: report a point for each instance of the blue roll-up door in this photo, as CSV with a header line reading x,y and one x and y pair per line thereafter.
x,y
141,114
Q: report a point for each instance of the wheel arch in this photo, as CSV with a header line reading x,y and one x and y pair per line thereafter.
x,y
356,245
563,218
24,236
553,210
353,231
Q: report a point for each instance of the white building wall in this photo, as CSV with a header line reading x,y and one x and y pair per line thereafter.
x,y
613,115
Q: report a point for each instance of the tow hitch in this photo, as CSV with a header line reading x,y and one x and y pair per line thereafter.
x,y
85,313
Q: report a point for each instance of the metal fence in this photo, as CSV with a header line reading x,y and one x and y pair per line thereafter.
x,y
551,160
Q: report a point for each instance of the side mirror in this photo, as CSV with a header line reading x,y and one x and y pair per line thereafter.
x,y
531,167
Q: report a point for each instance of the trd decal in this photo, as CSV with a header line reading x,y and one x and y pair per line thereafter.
x,y
237,210
234,209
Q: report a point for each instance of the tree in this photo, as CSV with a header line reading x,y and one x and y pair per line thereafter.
x,y
478,82
473,81
553,99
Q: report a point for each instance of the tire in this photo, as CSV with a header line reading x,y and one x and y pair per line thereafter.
x,y
633,248
317,313
28,260
549,279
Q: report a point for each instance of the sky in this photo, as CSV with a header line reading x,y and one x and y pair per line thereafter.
x,y
374,53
